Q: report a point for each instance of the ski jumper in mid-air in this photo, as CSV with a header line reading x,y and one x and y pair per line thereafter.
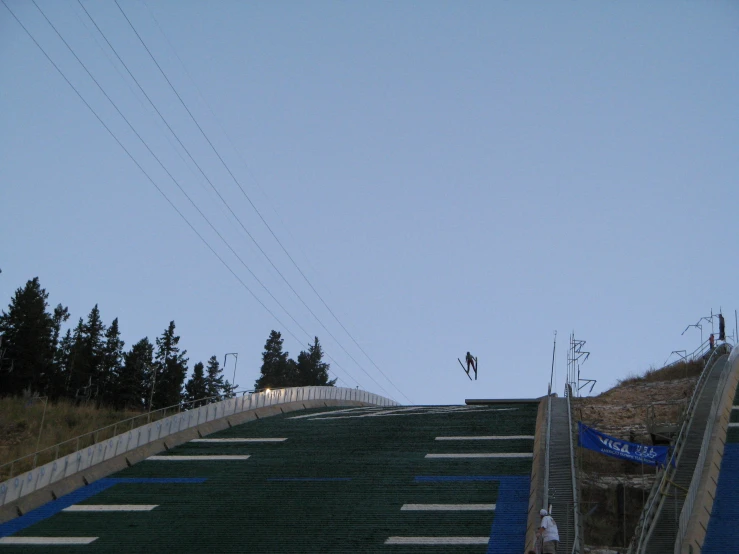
x,y
470,363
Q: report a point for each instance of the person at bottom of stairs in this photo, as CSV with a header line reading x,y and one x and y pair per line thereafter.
x,y
549,533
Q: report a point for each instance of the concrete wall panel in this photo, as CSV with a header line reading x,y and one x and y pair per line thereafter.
x,y
131,445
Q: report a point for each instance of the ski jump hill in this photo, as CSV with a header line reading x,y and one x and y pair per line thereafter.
x,y
328,469
291,470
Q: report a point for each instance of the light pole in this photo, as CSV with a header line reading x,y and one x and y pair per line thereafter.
x,y
236,361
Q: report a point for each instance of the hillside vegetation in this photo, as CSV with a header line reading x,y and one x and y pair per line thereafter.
x,y
613,492
20,423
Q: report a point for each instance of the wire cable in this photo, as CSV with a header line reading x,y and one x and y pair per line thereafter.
x,y
202,97
150,179
192,202
267,225
225,203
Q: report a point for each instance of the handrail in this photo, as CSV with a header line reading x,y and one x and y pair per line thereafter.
x,y
114,426
695,480
575,500
171,426
701,351
655,496
546,450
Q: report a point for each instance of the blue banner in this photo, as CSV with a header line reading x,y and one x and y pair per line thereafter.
x,y
610,446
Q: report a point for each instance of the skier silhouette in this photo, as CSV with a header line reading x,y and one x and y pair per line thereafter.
x,y
471,363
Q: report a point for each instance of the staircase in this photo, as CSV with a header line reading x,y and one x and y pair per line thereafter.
x,y
560,476
661,538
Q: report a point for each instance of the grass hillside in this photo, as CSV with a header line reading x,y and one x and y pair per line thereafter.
x,y
20,422
613,492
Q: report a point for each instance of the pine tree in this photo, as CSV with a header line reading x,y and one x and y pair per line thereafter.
x,y
170,370
61,314
63,361
74,368
132,383
87,359
214,379
28,341
111,361
197,387
278,370
311,369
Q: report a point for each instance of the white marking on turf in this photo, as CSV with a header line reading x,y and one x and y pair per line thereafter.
x,y
490,438
450,507
237,440
196,458
334,412
110,508
418,410
485,455
736,424
437,540
38,541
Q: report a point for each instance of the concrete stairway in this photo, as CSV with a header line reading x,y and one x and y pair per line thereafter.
x,y
560,476
661,539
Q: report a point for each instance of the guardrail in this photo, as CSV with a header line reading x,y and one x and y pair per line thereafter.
x,y
575,499
30,461
657,492
52,472
546,450
695,480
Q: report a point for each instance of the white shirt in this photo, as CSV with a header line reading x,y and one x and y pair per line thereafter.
x,y
551,533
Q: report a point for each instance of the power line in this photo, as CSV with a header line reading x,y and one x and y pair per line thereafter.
x,y
178,184
167,171
225,165
246,165
222,199
238,153
169,201
225,133
175,149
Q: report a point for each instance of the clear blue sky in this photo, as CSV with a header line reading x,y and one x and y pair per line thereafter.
x,y
450,176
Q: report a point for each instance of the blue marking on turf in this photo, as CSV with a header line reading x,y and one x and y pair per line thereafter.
x,y
721,534
500,478
508,531
54,507
310,479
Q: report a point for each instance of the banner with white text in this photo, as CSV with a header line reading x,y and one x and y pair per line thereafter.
x,y
610,446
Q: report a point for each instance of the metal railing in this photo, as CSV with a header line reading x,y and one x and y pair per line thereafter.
x,y
658,489
695,480
30,461
701,351
575,499
132,440
545,504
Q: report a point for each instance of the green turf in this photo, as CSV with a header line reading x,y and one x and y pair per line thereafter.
x,y
239,510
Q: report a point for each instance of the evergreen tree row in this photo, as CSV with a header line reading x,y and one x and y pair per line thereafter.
x,y
89,362
278,370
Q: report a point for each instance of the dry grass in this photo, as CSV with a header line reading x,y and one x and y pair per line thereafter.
x,y
20,422
679,370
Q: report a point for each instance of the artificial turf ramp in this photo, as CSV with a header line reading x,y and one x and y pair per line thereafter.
x,y
345,480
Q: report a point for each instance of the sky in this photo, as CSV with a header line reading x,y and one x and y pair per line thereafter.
x,y
448,176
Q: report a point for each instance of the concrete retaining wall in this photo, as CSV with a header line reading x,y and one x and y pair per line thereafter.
x,y
695,534
36,487
536,494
